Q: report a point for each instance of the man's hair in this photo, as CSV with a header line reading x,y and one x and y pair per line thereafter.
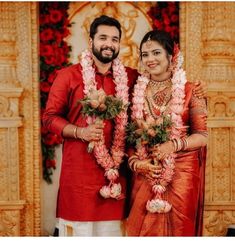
x,y
104,20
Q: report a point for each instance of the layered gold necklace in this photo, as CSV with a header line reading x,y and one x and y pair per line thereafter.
x,y
158,95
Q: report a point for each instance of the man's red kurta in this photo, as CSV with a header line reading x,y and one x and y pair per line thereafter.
x,y
81,177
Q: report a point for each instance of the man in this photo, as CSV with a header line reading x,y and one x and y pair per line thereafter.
x,y
81,209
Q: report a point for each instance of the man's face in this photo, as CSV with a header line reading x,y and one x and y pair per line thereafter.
x,y
106,43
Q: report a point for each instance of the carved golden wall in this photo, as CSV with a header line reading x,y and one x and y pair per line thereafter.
x,y
19,120
207,40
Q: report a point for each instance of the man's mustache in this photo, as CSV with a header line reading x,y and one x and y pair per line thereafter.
x,y
108,48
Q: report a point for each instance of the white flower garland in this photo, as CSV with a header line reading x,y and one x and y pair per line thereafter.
x,y
110,163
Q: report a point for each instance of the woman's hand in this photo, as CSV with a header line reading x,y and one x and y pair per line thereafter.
x,y
200,89
148,169
93,132
159,152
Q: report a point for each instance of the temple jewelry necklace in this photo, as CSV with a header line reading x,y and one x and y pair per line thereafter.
x,y
160,84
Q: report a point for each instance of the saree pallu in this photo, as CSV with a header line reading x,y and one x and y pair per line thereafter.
x,y
184,193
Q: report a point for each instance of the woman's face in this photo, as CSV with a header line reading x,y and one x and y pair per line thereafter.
x,y
155,58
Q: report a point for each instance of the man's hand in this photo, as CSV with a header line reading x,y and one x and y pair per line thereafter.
x,y
93,132
200,89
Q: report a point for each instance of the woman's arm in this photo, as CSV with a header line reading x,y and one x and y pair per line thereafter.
x,y
198,130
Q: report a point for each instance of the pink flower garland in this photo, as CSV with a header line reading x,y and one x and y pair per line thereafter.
x,y
176,107
110,163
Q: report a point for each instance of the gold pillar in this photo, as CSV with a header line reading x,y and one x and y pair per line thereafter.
x,y
218,44
208,43
19,121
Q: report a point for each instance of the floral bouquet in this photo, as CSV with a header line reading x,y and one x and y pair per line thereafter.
x,y
149,132
144,134
100,106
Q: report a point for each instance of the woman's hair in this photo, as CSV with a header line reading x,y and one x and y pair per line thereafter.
x,y
162,37
104,20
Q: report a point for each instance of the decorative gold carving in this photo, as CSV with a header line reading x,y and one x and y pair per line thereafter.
x,y
3,165
207,41
28,74
217,222
7,22
9,165
232,152
8,223
220,106
10,217
220,164
19,147
7,44
190,38
9,103
4,107
218,42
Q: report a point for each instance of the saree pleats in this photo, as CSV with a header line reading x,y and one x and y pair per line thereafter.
x,y
183,193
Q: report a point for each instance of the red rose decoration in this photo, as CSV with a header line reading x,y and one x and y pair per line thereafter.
x,y
46,50
168,29
165,12
50,163
55,16
174,18
65,32
46,35
58,37
44,19
45,87
50,139
44,130
165,16
166,20
50,60
158,24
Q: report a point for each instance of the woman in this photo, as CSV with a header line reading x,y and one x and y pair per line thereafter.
x,y
167,194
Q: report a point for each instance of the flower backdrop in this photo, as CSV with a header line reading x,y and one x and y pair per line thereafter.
x,y
54,55
165,16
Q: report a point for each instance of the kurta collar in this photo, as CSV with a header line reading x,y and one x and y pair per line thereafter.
x,y
108,73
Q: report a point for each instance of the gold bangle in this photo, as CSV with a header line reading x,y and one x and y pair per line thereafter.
x,y
131,161
81,133
175,144
75,132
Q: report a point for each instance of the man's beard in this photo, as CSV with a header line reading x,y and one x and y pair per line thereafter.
x,y
104,59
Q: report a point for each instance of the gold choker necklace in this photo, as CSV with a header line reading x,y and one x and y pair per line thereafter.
x,y
159,84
